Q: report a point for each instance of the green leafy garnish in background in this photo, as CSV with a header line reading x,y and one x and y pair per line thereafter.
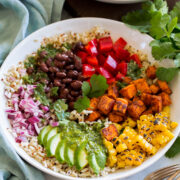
x,y
174,150
164,26
54,91
98,87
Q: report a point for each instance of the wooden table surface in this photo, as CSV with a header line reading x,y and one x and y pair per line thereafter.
x,y
92,8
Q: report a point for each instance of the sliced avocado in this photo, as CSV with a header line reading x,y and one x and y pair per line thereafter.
x,y
42,134
52,144
50,134
81,157
93,163
101,159
70,153
59,154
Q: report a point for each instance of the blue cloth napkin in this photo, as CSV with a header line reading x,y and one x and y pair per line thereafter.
x,y
19,18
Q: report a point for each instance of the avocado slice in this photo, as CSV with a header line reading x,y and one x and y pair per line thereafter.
x,y
59,154
93,163
101,159
42,134
52,144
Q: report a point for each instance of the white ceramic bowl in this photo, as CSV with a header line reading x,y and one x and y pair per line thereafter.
x,y
117,29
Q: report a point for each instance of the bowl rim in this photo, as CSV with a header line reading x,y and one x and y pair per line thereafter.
x,y
38,165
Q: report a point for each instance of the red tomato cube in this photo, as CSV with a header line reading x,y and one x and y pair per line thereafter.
x,y
88,70
105,44
110,64
104,72
120,43
122,67
82,55
92,60
135,58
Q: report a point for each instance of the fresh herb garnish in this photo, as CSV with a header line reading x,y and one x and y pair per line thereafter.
x,y
97,88
133,71
31,62
40,95
68,46
54,91
60,108
121,84
174,150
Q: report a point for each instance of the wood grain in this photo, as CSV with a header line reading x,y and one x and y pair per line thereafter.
x,y
92,8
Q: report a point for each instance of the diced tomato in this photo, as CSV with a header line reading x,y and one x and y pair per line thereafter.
x,y
120,76
82,55
104,72
101,59
88,70
122,67
92,60
135,58
93,42
111,80
120,43
122,54
105,44
110,64
91,48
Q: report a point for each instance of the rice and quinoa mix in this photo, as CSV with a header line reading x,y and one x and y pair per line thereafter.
x,y
27,136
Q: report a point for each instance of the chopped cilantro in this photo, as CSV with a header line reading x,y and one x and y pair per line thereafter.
x,y
54,91
121,84
82,103
31,62
133,71
68,46
174,150
40,95
28,79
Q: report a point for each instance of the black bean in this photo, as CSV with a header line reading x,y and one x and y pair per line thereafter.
x,y
81,77
62,57
59,64
64,93
49,62
72,74
54,69
44,67
76,85
45,81
69,54
74,93
70,67
77,63
67,80
71,105
61,74
78,46
70,98
30,70
43,54
57,82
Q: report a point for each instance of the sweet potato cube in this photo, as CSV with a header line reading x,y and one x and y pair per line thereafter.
x,y
156,103
142,85
166,100
136,109
151,72
115,118
154,89
146,98
110,132
105,104
93,116
120,106
149,111
93,104
113,91
129,91
164,87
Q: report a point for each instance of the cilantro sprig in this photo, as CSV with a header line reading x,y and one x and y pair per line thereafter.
x,y
97,88
163,25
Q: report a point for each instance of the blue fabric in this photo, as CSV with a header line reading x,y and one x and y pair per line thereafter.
x,y
19,18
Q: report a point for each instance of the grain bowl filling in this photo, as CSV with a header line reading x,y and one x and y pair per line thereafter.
x,y
85,105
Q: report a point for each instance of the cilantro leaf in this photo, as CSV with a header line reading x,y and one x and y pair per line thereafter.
x,y
161,6
176,39
98,85
176,11
171,26
85,88
161,50
40,95
174,150
82,103
54,91
166,74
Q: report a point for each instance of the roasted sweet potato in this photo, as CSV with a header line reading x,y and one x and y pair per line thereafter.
x,y
113,91
154,89
93,116
164,87
151,72
115,118
93,104
129,91
166,100
127,79
149,111
142,85
105,104
136,109
110,132
156,103
120,106
146,98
